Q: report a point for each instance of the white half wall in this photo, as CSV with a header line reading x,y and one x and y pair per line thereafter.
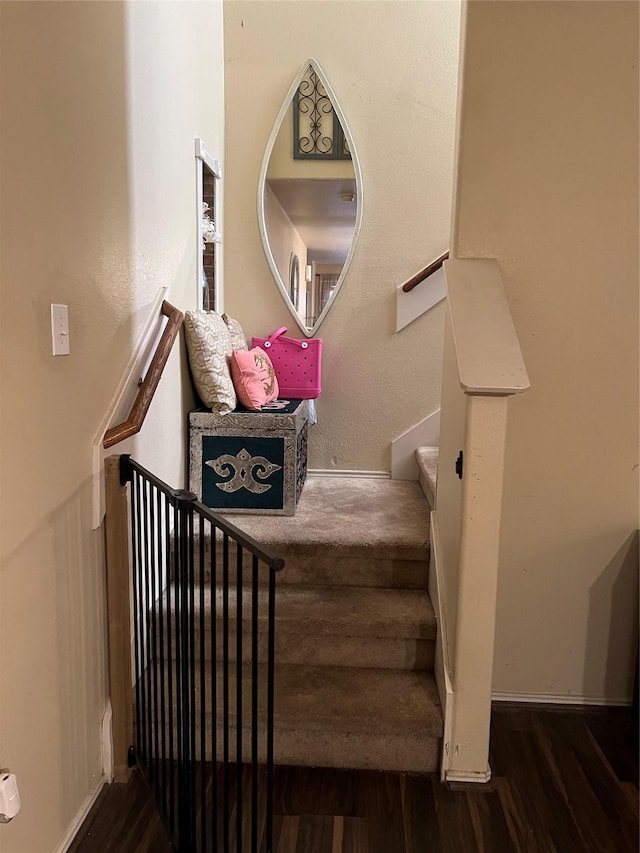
x,y
403,449
415,303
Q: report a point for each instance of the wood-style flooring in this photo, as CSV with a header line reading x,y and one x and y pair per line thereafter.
x,y
564,781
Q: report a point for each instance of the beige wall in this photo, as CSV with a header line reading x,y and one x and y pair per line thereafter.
x,y
100,105
548,185
393,68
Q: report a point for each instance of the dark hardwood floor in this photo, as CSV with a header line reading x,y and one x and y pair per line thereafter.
x,y
564,781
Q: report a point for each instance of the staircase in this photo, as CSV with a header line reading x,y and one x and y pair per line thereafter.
x,y
355,629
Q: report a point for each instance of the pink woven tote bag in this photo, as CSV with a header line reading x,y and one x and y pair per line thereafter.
x,y
298,364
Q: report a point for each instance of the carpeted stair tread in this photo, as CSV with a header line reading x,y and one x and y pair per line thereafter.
x,y
328,611
337,516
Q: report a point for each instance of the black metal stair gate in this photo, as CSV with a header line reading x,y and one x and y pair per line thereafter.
x,y
203,596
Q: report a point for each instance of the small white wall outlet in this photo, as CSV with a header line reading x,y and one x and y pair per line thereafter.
x,y
59,329
9,796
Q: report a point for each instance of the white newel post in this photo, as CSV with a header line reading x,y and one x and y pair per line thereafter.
x,y
485,367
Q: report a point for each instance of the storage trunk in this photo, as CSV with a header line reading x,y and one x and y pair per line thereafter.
x,y
250,462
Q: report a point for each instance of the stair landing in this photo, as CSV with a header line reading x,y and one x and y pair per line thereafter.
x,y
378,517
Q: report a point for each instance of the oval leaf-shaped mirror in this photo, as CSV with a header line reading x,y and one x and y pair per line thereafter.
x,y
310,198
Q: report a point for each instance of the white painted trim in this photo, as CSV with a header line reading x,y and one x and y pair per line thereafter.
x,y
562,699
80,818
204,158
441,663
403,448
286,105
334,472
478,777
423,297
132,373
488,351
106,742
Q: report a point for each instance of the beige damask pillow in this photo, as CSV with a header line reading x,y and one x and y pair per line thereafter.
x,y
238,338
210,346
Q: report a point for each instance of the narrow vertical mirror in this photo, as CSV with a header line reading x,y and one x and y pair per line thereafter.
x,y
310,198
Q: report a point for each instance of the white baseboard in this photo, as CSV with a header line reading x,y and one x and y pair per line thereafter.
x,y
561,699
334,472
403,448
80,818
477,777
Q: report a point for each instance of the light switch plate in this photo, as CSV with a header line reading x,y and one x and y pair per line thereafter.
x,y
59,329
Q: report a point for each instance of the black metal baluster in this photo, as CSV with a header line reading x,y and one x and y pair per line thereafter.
x,y
162,605
225,687
270,701
192,678
144,669
135,560
171,616
214,686
178,600
203,728
185,506
147,630
239,559
254,705
154,569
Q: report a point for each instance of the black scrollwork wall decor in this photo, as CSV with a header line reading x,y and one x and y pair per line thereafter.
x,y
317,133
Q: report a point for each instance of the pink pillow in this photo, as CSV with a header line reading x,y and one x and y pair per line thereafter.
x,y
253,378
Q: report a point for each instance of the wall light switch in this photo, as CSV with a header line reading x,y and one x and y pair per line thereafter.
x,y
60,329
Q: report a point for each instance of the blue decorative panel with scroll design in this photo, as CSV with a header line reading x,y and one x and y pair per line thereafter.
x,y
243,472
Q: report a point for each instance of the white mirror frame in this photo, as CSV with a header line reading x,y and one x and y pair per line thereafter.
x,y
283,286
203,158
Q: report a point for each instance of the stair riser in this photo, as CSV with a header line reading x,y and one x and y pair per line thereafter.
x,y
394,752
378,652
317,626
318,570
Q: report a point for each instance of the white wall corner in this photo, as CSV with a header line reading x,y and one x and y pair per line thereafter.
x,y
403,448
410,306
